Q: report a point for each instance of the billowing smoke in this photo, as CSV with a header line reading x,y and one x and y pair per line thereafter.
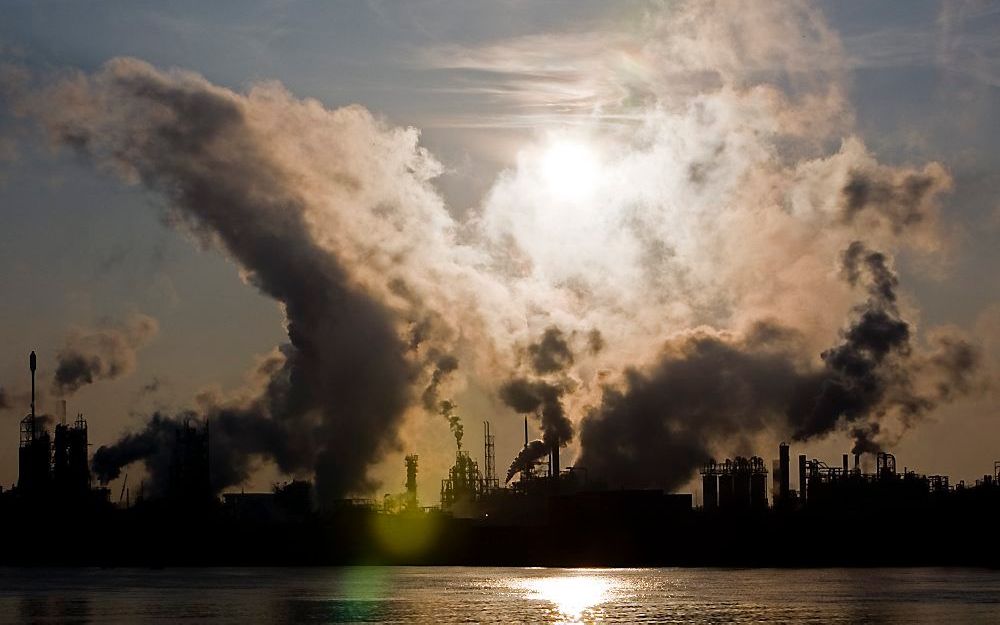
x,y
105,353
544,399
530,453
730,118
448,408
225,164
541,393
443,367
867,365
709,387
152,445
551,353
900,200
595,341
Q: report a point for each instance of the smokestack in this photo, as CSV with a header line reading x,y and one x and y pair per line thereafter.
x,y
554,472
31,364
857,461
845,464
802,477
525,430
785,468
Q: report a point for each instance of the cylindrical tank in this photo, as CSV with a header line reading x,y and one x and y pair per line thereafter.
x,y
726,495
741,488
710,491
758,490
802,477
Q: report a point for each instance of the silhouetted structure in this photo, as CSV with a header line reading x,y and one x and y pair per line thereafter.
x,y
463,486
490,480
70,469
547,517
738,484
411,482
189,481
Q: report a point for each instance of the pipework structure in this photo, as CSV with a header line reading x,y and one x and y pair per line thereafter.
x,y
34,448
411,482
490,480
737,484
464,482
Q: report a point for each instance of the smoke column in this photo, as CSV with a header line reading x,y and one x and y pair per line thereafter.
x,y
730,116
104,353
710,386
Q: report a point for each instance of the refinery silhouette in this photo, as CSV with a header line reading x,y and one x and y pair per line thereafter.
x,y
541,514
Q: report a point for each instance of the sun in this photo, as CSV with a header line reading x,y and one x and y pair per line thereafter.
x,y
570,170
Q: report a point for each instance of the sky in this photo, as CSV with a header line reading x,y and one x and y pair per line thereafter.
x,y
664,231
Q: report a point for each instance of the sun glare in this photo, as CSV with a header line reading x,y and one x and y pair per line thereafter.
x,y
570,170
571,595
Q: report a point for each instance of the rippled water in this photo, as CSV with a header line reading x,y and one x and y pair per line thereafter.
x,y
444,594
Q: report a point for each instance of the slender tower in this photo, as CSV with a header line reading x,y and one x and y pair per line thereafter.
x,y
31,364
489,457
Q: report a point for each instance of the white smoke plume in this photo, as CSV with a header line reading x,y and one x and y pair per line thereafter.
x,y
709,182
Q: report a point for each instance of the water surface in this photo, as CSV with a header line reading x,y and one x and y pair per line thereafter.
x,y
455,594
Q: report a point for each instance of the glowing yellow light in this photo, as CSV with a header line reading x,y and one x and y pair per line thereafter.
x,y
570,169
572,596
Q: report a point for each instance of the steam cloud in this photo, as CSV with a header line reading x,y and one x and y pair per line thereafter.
x,y
543,397
710,385
332,214
101,354
336,394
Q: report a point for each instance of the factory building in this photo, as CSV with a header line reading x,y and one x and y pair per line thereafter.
x,y
53,469
739,484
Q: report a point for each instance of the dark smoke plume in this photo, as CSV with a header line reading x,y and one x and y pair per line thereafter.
x,y
335,399
710,387
551,353
530,453
543,396
543,399
101,354
454,421
595,341
443,367
898,199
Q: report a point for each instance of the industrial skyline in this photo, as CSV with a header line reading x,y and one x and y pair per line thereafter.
x,y
547,516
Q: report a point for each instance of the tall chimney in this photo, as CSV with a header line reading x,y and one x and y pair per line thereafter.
x,y
845,464
785,468
554,456
857,461
31,364
525,430
802,477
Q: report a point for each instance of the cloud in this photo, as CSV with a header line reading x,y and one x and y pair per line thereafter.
x,y
706,386
105,353
728,183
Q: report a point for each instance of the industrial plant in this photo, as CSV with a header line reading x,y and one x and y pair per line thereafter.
x,y
541,514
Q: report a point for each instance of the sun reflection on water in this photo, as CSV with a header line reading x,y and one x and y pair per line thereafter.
x,y
572,595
